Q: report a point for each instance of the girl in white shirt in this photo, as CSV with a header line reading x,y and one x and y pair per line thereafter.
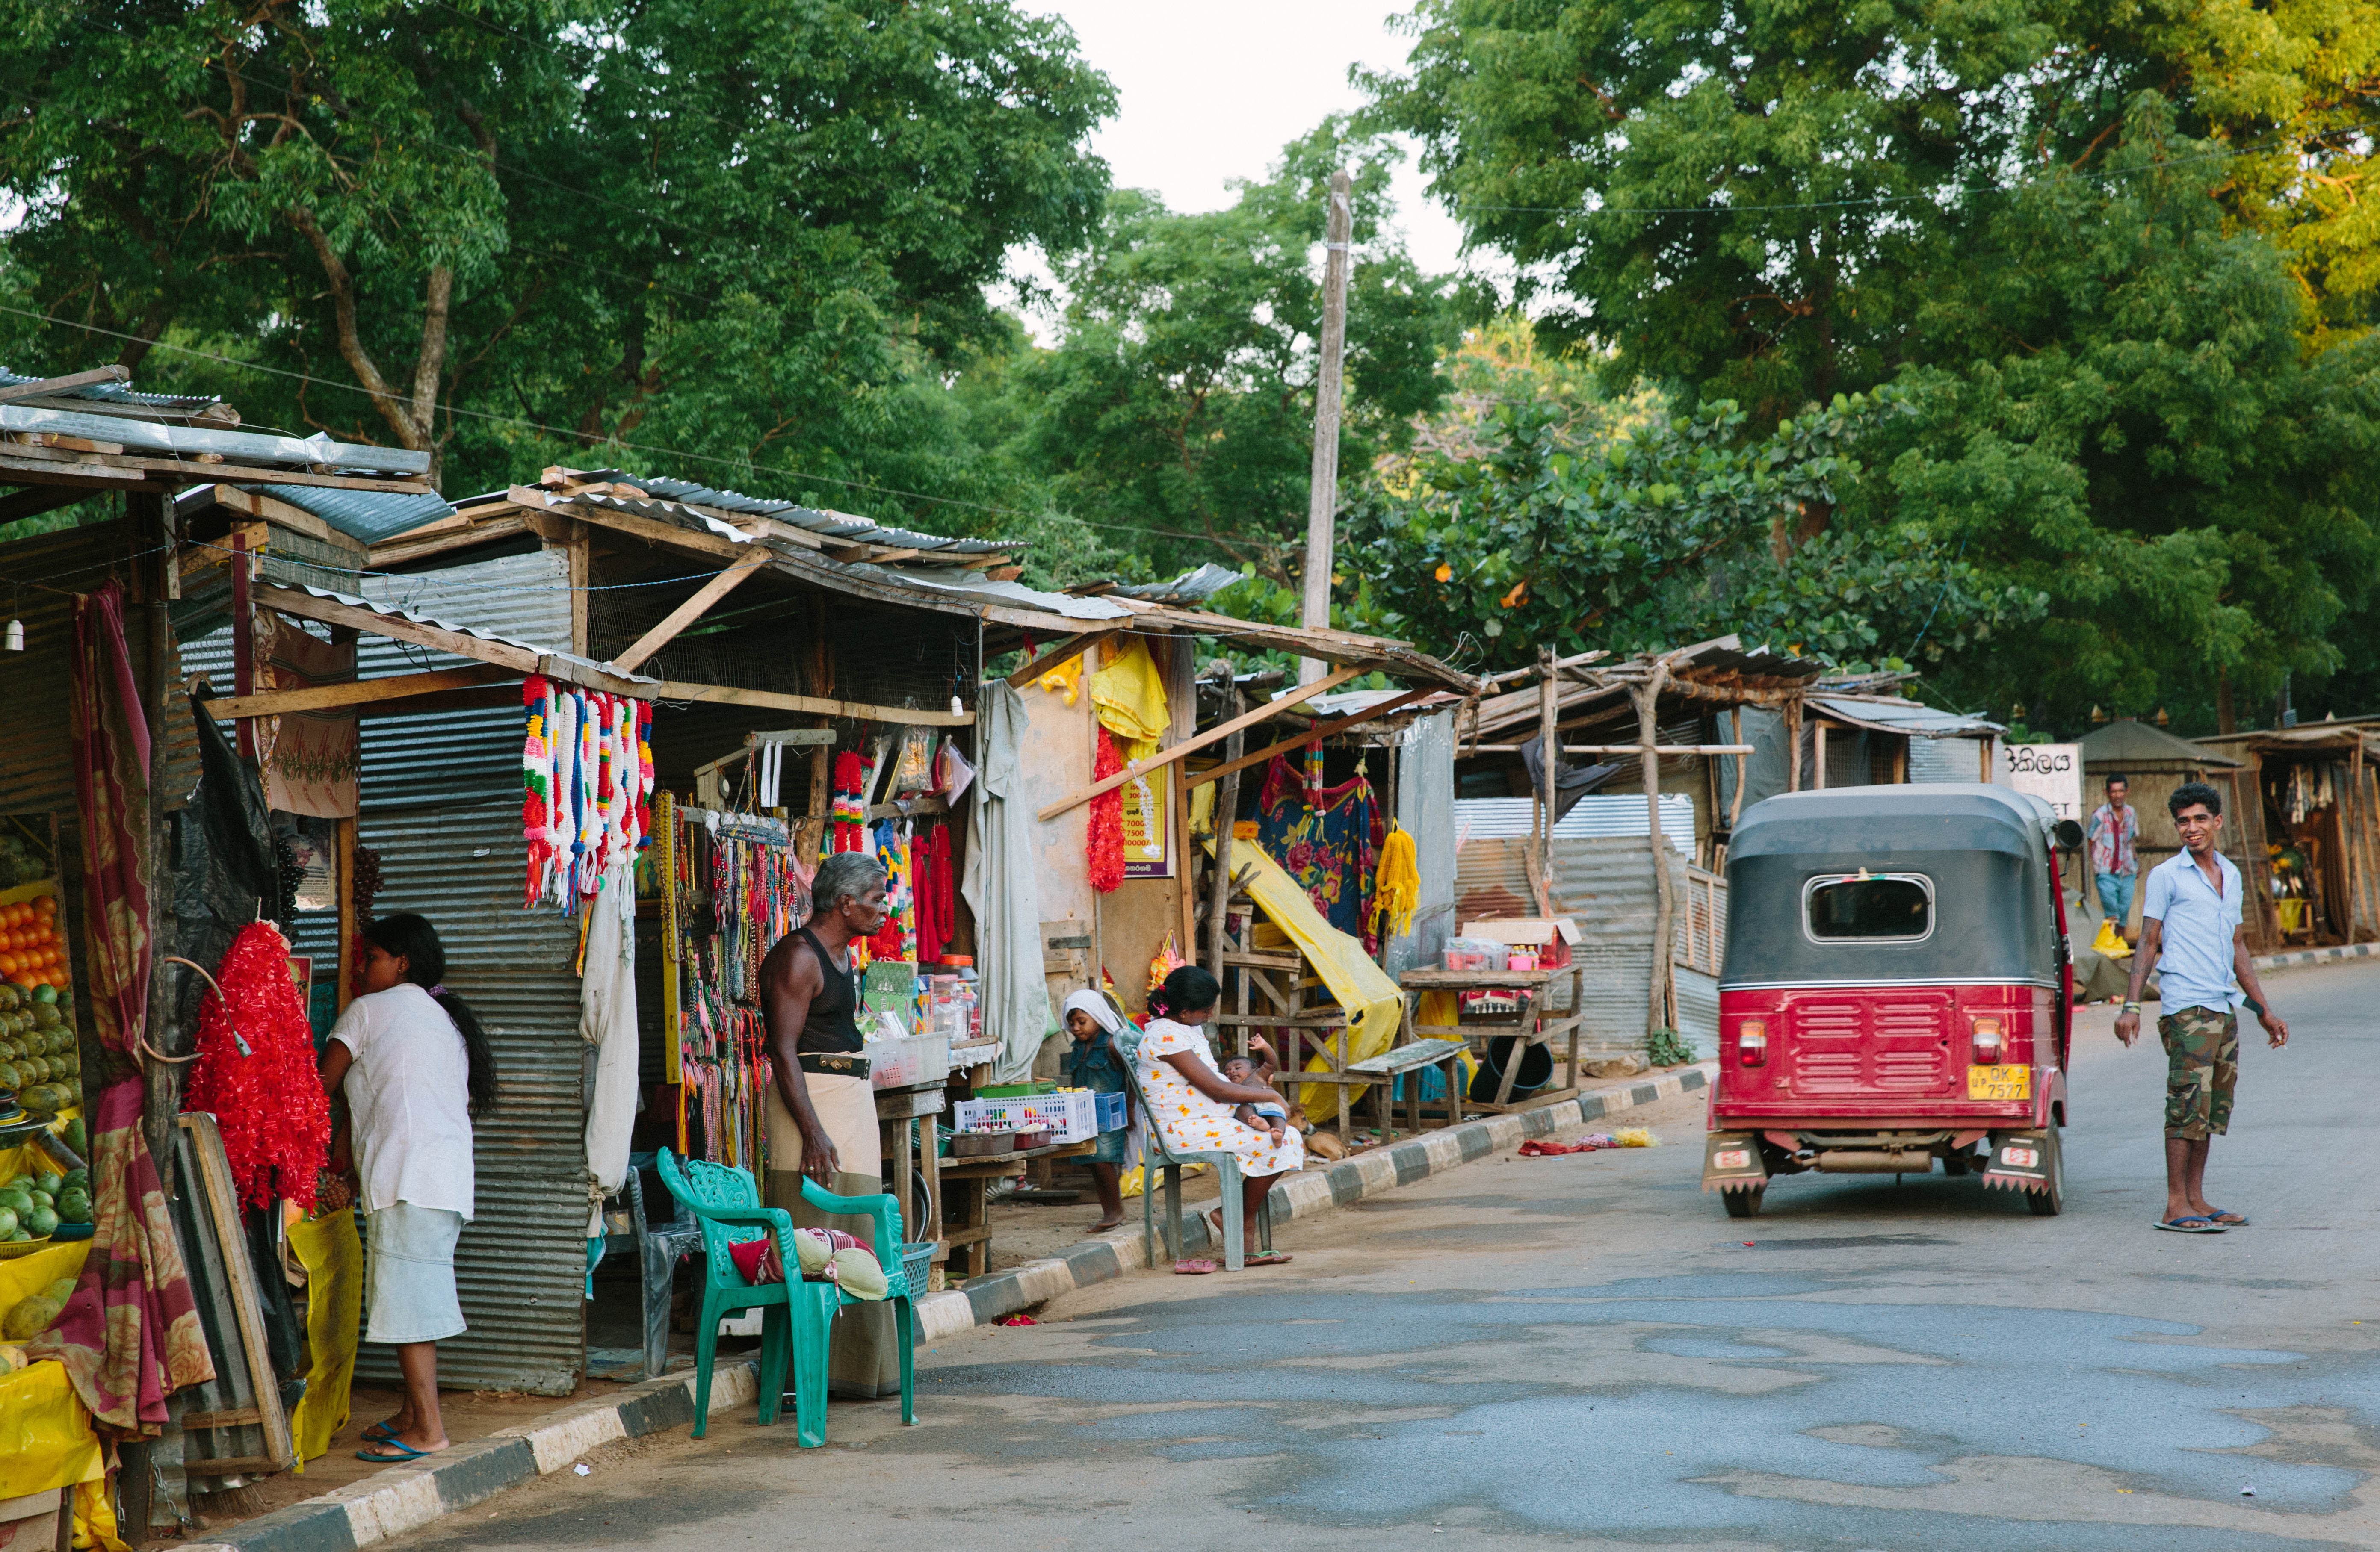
x,y
415,1067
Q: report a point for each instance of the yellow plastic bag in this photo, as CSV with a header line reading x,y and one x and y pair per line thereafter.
x,y
94,1519
334,1258
2110,943
1129,1182
45,1433
1130,696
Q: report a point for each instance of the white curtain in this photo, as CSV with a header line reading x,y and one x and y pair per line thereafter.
x,y
607,1019
1001,890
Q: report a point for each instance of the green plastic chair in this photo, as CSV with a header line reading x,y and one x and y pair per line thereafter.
x,y
797,1315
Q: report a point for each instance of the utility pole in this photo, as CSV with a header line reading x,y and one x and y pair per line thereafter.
x,y
1322,490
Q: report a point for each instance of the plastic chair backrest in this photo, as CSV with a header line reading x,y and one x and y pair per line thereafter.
x,y
699,1184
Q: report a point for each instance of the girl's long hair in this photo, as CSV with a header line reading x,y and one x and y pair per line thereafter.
x,y
1184,991
412,939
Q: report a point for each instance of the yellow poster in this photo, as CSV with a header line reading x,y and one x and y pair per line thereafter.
x,y
1148,825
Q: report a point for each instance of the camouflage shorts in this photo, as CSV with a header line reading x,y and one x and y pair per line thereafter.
x,y
2202,1054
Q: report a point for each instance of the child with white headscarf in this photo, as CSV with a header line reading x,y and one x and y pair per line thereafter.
x,y
1096,1062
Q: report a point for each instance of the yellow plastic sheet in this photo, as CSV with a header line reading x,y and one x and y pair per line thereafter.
x,y
45,1434
1130,695
1373,1003
94,1518
1130,1183
334,1258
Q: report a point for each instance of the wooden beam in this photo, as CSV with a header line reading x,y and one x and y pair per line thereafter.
x,y
651,531
1060,655
111,373
363,692
1139,768
439,538
686,613
1319,730
297,519
1624,749
772,701
503,654
38,499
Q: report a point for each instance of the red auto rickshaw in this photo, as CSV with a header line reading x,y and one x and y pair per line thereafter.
x,y
1896,991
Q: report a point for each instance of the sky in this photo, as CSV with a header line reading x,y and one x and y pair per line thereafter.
x,y
1212,92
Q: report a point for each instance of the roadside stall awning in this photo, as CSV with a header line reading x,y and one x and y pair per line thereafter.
x,y
1882,714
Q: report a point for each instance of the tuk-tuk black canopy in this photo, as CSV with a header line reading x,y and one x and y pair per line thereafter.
x,y
1983,852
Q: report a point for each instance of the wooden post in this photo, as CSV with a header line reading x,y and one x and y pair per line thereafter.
x,y
347,922
1793,745
1548,767
1818,754
243,638
161,1087
1323,486
1657,998
578,552
1226,810
1983,760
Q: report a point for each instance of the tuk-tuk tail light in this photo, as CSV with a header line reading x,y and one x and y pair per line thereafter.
x,y
1989,1042
1752,1042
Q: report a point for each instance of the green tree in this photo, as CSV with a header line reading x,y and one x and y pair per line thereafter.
x,y
2117,255
530,230
1179,400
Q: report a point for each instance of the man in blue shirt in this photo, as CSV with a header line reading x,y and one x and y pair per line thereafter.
x,y
2190,932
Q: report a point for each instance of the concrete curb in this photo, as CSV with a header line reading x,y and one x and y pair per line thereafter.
x,y
401,1498
405,1497
2317,956
1303,1195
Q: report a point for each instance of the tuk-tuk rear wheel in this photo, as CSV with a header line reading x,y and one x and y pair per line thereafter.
x,y
1744,1203
2049,1203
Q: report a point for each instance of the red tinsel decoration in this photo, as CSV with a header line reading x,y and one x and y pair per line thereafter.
x,y
1107,820
268,1103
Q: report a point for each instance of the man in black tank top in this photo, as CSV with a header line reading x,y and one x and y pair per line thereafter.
x,y
810,1001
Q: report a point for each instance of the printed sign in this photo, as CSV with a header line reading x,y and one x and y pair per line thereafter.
x,y
2052,772
1148,825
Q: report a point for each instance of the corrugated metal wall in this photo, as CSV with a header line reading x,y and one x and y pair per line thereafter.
x,y
1606,884
442,806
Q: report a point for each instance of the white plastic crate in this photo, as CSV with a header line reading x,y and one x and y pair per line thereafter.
x,y
1072,1117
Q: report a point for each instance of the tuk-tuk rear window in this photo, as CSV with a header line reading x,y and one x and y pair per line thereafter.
x,y
1891,907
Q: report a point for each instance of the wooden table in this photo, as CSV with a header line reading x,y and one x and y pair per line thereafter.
x,y
969,1242
1530,1027
896,1109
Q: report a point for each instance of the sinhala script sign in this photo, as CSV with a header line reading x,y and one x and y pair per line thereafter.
x,y
2052,772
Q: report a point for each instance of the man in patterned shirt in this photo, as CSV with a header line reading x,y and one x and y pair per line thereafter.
x,y
2115,833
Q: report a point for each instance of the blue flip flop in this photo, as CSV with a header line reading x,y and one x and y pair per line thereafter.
x,y
2216,1214
404,1452
2190,1223
380,1430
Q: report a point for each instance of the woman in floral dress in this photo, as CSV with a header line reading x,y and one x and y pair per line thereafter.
x,y
1190,1103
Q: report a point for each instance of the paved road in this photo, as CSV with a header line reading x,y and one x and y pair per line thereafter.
x,y
1586,1353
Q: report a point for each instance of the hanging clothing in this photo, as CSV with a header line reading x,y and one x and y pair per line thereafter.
x,y
1129,696
1003,890
332,1256
607,1021
1329,842
937,915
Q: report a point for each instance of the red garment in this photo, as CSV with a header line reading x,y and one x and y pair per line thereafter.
x,y
1106,845
937,907
256,1074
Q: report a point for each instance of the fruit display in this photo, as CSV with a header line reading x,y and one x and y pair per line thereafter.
x,y
33,944
39,1057
33,1207
33,1315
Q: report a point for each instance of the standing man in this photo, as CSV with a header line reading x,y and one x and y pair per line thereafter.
x,y
821,1105
2190,930
2115,833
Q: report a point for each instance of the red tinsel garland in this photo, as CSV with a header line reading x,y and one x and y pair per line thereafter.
x,y
268,1103
1106,847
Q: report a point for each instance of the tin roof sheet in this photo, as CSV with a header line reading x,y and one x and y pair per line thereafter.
x,y
1905,717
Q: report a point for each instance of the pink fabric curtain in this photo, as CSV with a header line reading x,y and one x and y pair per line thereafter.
x,y
111,747
129,1337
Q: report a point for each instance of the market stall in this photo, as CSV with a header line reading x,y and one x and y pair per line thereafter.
x,y
2307,813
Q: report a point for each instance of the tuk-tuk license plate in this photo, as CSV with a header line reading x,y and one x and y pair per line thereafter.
x,y
1999,1082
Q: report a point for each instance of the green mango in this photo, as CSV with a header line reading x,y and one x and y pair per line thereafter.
x,y
74,1205
10,1078
45,1016
7,1221
31,1316
79,1140
41,1222
73,1178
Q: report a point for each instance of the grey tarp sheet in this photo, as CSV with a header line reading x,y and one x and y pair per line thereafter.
x,y
1000,889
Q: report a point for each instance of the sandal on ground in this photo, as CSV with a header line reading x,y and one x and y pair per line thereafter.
x,y
380,1430
2190,1223
2224,1217
1194,1266
404,1452
1267,1258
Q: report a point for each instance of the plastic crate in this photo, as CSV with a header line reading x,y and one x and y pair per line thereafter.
x,y
1071,1117
1111,1111
1018,1090
918,1261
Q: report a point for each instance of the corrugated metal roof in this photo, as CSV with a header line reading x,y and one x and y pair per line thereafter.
x,y
193,442
1905,717
1191,586
371,516
1496,818
122,394
481,591
842,527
